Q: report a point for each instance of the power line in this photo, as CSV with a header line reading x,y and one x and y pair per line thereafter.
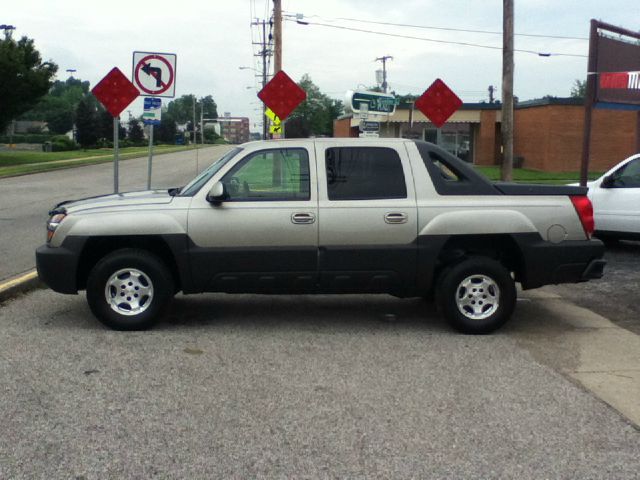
x,y
448,29
434,40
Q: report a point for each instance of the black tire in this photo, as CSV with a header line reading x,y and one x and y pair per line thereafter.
x,y
477,295
144,285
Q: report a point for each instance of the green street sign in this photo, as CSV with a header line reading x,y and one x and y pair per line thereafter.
x,y
377,103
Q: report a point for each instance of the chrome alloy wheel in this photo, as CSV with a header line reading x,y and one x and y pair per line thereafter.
x,y
478,297
129,292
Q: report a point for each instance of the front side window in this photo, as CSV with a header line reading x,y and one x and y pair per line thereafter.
x,y
270,175
364,173
628,176
194,185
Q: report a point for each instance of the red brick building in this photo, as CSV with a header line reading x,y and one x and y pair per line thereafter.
x,y
547,133
234,129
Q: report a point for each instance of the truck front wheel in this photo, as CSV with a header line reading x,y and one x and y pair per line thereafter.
x,y
128,289
477,295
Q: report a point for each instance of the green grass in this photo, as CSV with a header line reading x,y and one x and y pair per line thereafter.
x,y
8,159
522,175
20,163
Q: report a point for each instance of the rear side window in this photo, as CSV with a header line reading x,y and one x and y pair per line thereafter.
x,y
364,173
452,176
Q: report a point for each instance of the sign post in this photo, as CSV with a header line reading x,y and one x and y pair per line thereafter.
x,y
149,161
151,116
154,75
116,152
611,82
115,92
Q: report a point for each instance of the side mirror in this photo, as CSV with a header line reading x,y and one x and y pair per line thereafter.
x,y
608,181
217,194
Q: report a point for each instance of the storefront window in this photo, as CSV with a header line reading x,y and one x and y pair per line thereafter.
x,y
455,138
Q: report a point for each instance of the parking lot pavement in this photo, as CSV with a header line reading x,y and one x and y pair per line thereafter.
x,y
300,387
616,295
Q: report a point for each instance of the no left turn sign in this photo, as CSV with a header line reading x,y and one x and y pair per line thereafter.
x,y
154,74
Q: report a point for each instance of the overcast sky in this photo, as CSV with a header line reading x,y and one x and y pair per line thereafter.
x,y
213,38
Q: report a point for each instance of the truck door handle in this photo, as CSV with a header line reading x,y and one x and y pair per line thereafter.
x,y
303,218
395,217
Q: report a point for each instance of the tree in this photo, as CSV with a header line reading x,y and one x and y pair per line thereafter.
x,y
24,80
315,115
104,126
579,89
210,109
135,133
58,107
166,131
408,98
181,109
86,123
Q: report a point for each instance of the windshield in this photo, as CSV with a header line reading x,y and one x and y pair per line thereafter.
x,y
196,184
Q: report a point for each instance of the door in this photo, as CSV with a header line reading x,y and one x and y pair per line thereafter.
x,y
616,205
264,236
367,219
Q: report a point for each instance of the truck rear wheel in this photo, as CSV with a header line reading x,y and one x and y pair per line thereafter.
x,y
128,289
477,295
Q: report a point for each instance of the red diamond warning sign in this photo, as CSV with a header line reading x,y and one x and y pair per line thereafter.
x,y
115,92
438,103
282,95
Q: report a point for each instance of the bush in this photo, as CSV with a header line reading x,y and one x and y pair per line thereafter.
x,y
26,138
62,143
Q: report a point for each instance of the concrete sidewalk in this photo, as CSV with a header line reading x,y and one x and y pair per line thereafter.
x,y
588,348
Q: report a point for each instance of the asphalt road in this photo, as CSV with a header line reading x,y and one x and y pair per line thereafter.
x,y
25,200
299,387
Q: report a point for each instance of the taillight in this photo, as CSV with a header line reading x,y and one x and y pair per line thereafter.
x,y
583,206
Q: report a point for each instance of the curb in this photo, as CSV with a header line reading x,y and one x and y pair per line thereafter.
x,y
22,283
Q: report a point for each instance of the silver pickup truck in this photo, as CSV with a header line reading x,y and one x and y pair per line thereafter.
x,y
325,216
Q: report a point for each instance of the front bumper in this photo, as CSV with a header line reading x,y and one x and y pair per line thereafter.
x,y
567,262
58,266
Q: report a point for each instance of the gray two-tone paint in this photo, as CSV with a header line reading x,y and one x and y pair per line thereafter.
x,y
318,241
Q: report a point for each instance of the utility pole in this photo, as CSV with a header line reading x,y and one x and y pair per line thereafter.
x,y
277,35
507,91
384,59
202,123
264,53
194,121
264,78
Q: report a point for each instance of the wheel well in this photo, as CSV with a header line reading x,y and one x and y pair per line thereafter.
x,y
97,247
499,247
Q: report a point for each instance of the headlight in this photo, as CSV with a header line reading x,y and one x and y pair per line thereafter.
x,y
53,223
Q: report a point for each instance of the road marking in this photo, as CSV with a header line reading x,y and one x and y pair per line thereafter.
x,y
14,282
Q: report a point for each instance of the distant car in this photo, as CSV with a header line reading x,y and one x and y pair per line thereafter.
x,y
616,201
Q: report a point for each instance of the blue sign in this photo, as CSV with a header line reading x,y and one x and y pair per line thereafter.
x,y
152,111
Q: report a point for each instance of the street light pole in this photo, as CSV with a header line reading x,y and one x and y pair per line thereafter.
x,y
7,30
